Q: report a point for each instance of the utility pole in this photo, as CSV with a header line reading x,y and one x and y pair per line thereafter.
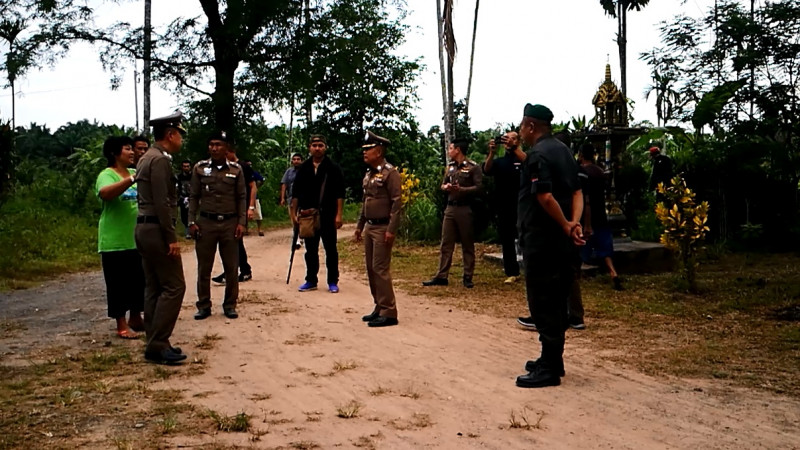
x,y
136,94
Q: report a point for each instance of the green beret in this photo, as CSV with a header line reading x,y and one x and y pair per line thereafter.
x,y
539,112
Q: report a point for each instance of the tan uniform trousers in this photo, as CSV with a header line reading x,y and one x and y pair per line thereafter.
x,y
378,257
215,233
457,225
164,286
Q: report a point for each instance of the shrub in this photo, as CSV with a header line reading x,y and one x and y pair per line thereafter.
x,y
684,226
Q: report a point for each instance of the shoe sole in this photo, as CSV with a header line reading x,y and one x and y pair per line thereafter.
x,y
309,289
371,325
544,383
202,318
165,362
527,325
578,327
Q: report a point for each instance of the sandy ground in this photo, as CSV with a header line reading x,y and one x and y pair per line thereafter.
x,y
441,379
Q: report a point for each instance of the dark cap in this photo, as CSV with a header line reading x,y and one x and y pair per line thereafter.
x,y
171,121
223,136
373,140
539,112
318,138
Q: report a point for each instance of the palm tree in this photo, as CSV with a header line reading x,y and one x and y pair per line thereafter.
x,y
619,10
471,59
447,46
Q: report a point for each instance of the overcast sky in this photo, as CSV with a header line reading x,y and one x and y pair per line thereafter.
x,y
538,51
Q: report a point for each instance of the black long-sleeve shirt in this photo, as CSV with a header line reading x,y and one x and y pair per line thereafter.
x,y
307,185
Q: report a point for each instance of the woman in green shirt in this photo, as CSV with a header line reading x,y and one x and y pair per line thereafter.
x,y
122,264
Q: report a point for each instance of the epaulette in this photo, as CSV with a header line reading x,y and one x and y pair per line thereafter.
x,y
388,166
206,162
469,161
233,163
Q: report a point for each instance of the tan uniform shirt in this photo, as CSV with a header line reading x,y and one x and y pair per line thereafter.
x,y
157,193
469,178
382,192
218,189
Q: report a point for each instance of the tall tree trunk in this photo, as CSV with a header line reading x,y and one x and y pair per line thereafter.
x,y
471,60
450,51
622,42
148,47
13,105
309,97
224,99
439,20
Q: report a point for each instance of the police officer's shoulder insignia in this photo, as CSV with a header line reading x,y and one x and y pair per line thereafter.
x,y
233,164
388,166
471,162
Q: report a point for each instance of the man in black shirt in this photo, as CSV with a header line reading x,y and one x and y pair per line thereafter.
x,y
549,210
662,168
319,185
599,238
505,171
184,186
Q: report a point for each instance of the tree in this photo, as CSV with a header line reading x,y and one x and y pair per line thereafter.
x,y
472,58
619,10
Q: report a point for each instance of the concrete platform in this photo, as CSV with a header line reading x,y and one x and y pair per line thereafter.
x,y
629,257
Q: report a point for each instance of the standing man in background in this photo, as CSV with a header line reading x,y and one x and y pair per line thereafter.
x,y
380,214
184,187
550,208
505,171
462,182
245,271
140,145
156,240
217,210
288,179
320,185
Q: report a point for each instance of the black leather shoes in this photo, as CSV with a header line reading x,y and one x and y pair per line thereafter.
x,y
468,283
435,282
176,350
541,377
245,277
219,279
202,314
383,322
533,365
166,356
370,317
230,313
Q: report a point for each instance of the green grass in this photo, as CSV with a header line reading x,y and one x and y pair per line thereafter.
x,y
40,242
743,326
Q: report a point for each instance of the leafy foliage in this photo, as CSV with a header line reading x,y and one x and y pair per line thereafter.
x,y
684,226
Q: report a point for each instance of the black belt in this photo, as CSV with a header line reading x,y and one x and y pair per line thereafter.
x,y
450,203
147,219
217,217
378,221
152,219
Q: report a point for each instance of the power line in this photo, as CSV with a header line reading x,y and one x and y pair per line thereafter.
x,y
50,90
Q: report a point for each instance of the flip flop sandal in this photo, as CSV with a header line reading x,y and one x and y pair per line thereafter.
x,y
127,334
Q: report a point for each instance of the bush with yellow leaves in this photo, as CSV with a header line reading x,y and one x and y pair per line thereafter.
x,y
684,226
409,184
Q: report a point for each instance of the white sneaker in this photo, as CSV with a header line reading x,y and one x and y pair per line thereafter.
x,y
511,280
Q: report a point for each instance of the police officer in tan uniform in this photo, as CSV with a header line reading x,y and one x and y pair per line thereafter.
x,y
462,182
217,216
157,242
377,226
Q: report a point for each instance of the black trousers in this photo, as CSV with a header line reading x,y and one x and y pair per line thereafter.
x,y
125,282
244,267
326,233
184,215
549,274
507,231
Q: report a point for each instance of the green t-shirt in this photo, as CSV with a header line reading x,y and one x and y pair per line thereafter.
x,y
118,219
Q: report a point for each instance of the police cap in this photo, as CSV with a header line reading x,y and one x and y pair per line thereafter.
x,y
539,112
223,136
373,140
171,121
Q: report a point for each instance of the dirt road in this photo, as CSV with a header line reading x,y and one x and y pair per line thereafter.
x,y
442,379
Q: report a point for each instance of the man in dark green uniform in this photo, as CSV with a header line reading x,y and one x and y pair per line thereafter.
x,y
217,216
378,222
462,182
156,240
549,212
